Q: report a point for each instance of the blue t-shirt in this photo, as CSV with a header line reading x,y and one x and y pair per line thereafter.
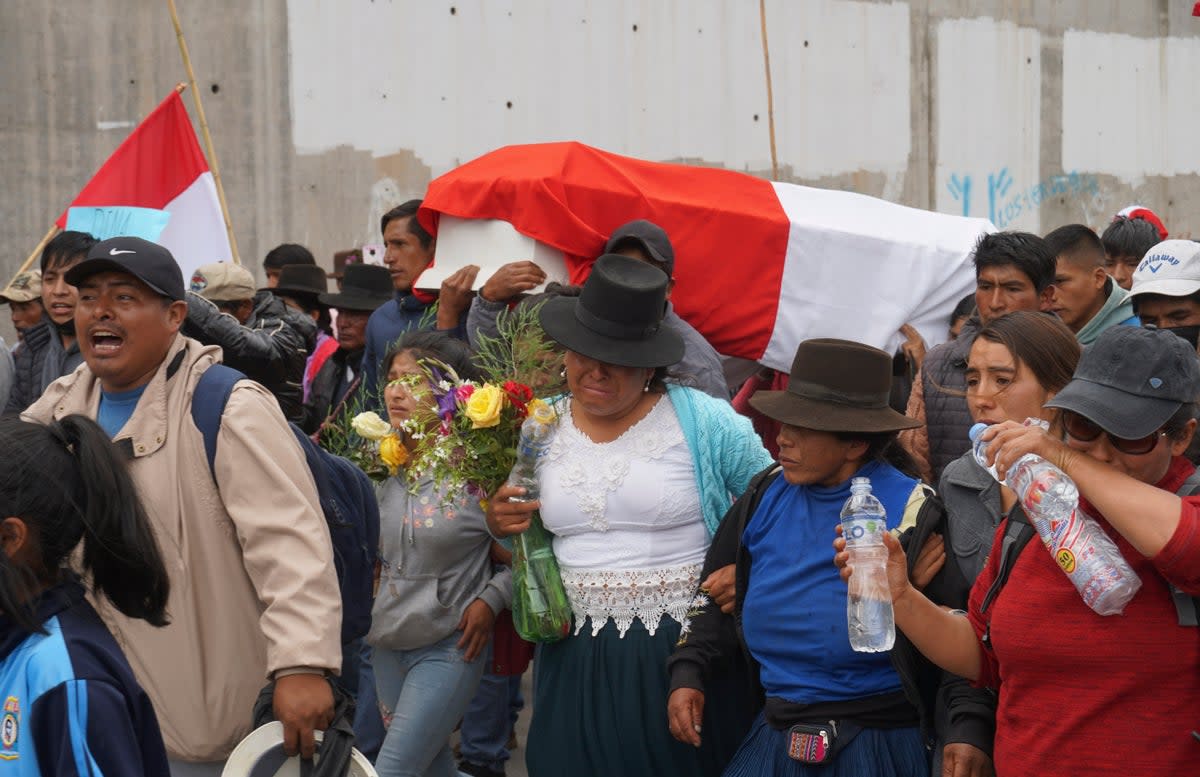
x,y
794,614
116,408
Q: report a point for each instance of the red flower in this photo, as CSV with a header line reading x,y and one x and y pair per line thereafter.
x,y
464,392
518,395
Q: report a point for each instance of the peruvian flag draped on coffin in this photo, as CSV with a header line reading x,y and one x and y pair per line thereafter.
x,y
160,166
760,266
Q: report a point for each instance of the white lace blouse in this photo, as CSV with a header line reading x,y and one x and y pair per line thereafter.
x,y
629,535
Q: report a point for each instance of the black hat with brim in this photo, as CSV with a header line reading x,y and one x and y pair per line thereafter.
x,y
617,317
364,287
301,281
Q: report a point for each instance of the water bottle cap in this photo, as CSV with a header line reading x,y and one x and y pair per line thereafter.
x,y
859,485
976,430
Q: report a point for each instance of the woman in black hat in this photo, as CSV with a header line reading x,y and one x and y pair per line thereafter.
x,y
789,610
638,477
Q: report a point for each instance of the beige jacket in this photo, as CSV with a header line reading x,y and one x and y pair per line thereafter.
x,y
253,587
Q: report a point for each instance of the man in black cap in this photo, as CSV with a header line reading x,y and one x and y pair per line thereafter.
x,y
339,383
254,593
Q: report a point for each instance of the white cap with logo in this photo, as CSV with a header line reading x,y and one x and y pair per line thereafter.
x,y
1171,268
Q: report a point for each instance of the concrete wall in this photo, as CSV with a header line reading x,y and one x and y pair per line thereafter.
x,y
325,113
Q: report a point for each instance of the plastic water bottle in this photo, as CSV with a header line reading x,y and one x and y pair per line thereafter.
x,y
1082,550
541,611
536,432
869,617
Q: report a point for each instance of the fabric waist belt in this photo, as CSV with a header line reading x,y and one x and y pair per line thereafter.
x,y
889,710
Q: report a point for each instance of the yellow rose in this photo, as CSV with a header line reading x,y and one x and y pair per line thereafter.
x,y
370,426
484,406
393,453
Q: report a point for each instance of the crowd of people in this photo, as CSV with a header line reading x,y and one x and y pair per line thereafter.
x,y
163,574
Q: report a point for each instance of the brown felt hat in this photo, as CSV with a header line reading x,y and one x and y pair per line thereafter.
x,y
836,386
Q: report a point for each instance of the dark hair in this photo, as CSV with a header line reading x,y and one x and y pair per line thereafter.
x,y
309,304
964,308
885,448
65,248
287,253
1079,242
1040,341
1025,251
1129,237
67,482
404,211
428,344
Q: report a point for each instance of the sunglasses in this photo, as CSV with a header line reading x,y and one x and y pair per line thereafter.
x,y
1084,430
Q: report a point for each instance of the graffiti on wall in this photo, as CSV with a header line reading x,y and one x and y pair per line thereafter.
x,y
997,197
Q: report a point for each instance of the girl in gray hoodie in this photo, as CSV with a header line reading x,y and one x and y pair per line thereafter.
x,y
439,591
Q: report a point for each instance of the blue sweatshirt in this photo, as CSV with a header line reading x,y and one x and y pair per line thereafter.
x,y
71,703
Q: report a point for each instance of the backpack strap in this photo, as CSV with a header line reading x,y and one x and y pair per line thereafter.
x,y
1187,607
208,405
1017,534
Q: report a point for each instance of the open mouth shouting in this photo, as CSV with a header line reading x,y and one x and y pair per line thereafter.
x,y
105,341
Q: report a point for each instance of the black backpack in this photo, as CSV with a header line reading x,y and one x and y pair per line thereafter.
x,y
347,499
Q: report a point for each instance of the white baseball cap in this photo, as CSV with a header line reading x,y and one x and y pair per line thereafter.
x,y
261,754
1170,268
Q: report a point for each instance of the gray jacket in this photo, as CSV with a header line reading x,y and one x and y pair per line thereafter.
x,y
700,367
972,500
435,560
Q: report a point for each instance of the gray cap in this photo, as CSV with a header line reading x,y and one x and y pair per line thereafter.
x,y
648,236
1130,381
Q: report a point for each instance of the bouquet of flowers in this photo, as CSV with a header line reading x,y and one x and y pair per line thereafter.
x,y
464,434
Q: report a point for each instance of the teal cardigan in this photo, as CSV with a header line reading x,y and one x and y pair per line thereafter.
x,y
726,451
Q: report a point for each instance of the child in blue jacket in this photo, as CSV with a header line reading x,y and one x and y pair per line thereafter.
x,y
71,705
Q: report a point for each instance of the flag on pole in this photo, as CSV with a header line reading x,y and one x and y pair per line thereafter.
x,y
160,165
760,266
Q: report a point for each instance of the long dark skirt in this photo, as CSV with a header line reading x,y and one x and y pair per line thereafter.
x,y
875,752
600,708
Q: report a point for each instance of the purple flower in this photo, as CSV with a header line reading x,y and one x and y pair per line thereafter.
x,y
447,403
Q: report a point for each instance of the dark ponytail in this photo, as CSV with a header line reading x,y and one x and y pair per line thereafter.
x,y
67,482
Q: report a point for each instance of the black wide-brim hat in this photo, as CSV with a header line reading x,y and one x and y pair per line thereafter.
x,y
304,281
836,386
364,287
617,317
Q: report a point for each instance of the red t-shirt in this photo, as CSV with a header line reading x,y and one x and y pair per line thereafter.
x,y
1083,694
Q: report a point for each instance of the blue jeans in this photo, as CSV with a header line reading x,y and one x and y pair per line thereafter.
x,y
423,694
490,719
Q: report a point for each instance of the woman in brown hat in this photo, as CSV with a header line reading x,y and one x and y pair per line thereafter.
x,y
638,476
789,611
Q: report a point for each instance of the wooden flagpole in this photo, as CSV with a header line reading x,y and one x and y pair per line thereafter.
x,y
208,144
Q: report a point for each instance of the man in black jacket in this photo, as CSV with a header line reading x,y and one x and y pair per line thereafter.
x,y
48,350
260,335
338,385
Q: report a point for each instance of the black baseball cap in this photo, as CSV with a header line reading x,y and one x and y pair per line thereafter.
x,y
1131,380
149,262
648,236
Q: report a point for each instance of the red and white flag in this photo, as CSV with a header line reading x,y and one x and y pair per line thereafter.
x,y
759,266
160,165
